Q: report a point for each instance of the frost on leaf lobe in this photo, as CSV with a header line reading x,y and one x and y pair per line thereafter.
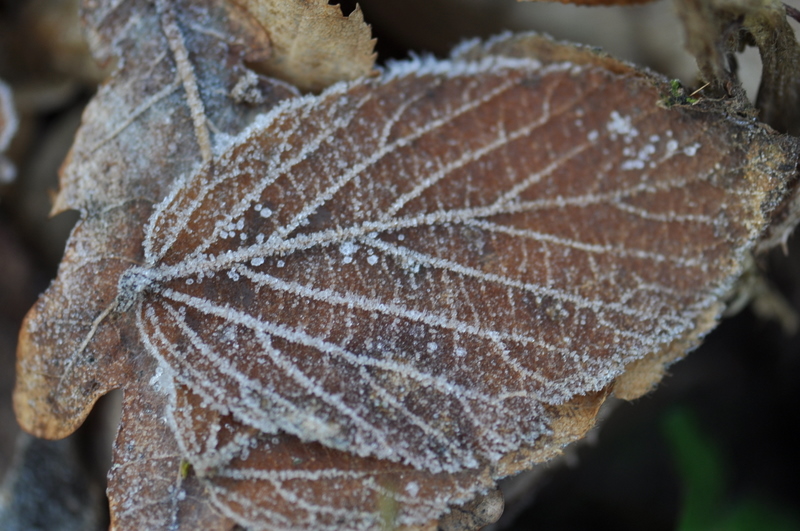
x,y
450,252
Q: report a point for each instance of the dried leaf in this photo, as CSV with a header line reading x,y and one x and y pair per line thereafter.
x,y
343,236
779,92
8,126
181,85
313,44
717,29
179,88
148,487
370,303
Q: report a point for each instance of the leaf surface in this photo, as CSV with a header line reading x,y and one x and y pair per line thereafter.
x,y
368,305
352,251
313,44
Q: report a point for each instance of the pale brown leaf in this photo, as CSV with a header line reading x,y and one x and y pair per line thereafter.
x,y
145,127
179,87
313,44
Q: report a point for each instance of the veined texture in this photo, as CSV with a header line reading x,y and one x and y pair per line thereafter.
x,y
411,268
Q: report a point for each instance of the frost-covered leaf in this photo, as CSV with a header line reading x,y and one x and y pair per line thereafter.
x,y
148,486
371,303
180,83
313,44
172,98
180,88
276,481
8,126
355,241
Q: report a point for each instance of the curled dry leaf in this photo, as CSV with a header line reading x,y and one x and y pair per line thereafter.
x,y
717,29
313,43
779,92
179,86
370,304
8,126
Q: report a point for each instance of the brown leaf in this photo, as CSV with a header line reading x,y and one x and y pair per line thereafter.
x,y
148,486
182,84
340,234
313,44
276,481
8,126
180,87
369,304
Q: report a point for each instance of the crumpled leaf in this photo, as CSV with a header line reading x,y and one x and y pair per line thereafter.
x,y
148,124
715,29
183,82
8,126
369,304
313,43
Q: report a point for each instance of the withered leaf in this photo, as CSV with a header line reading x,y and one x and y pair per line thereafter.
x,y
716,30
8,126
313,44
397,291
352,243
183,82
180,85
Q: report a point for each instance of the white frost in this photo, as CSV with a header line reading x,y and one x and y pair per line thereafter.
x,y
672,146
691,151
348,249
622,126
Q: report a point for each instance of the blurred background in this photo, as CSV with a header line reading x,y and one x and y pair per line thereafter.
x,y
714,447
